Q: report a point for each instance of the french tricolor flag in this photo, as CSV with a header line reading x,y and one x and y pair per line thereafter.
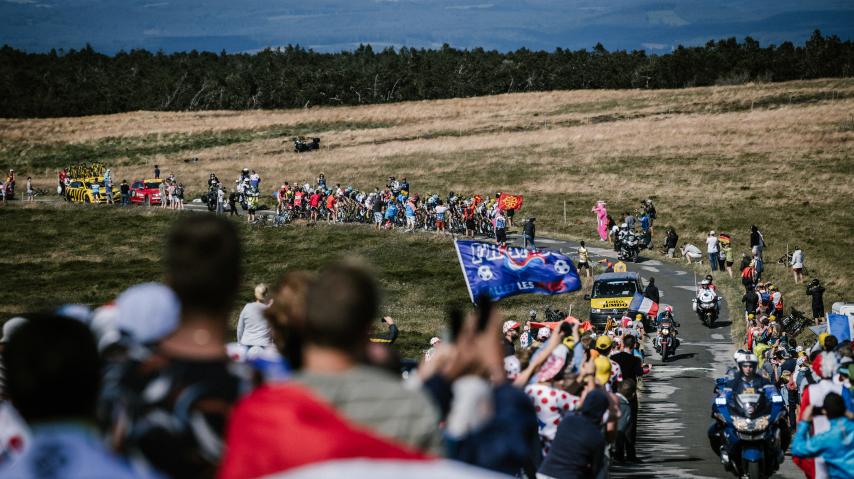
x,y
643,305
283,431
841,326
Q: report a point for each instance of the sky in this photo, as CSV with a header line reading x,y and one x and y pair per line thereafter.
x,y
334,25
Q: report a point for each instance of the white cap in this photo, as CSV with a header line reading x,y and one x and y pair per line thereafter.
x,y
148,312
544,333
434,340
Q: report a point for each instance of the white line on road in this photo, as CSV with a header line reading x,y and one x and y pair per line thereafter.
x,y
650,268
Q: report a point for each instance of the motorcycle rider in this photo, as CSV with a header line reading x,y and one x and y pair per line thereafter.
x,y
665,319
707,285
212,181
745,379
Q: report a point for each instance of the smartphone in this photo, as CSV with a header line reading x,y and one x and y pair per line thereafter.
x,y
484,311
455,324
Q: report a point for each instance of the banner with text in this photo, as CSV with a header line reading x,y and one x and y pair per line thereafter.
x,y
499,272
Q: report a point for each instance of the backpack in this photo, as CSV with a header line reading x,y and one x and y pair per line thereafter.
x,y
746,273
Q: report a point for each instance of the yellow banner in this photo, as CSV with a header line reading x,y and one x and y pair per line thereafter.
x,y
610,303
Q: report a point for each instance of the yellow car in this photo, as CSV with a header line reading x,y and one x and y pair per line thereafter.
x,y
80,191
612,294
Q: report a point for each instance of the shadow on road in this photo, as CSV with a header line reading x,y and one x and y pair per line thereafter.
x,y
677,357
721,324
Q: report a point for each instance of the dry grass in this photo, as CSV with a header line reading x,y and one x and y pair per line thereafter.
x,y
777,155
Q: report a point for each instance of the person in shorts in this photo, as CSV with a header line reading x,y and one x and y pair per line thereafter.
x,y
96,192
377,208
441,212
584,259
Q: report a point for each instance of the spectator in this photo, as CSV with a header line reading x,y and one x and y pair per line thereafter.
x,y
529,233
125,191
31,194
691,253
757,241
816,291
163,192
253,331
150,416
388,337
500,228
758,267
510,330
584,259
725,257
651,291
342,305
631,369
797,264
578,450
712,248
670,242
156,171
220,201
835,446
232,203
53,372
627,425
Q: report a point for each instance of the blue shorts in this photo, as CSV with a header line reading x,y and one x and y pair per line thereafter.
x,y
378,217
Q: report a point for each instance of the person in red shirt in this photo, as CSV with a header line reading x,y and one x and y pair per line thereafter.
x,y
298,195
314,204
332,207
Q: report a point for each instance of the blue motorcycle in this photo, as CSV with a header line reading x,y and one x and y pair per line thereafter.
x,y
750,432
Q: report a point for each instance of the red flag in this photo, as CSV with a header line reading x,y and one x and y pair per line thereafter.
x,y
509,202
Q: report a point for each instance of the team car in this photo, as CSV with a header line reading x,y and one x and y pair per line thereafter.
x,y
145,192
80,191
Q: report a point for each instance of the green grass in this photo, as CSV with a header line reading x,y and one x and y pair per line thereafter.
x,y
50,260
133,150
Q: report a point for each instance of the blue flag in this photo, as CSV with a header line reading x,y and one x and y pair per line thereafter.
x,y
498,271
841,326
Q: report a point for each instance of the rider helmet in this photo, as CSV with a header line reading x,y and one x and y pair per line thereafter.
x,y
668,309
624,226
709,278
705,283
743,357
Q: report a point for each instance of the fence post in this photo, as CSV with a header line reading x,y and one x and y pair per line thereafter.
x,y
564,211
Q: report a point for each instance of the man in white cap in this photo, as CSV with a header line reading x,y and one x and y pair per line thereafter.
x,y
434,343
510,329
253,331
712,248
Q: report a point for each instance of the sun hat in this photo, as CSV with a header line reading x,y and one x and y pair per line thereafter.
x,y
147,312
508,325
603,342
603,369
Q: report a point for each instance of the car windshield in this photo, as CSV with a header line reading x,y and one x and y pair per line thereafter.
x,y
153,185
614,289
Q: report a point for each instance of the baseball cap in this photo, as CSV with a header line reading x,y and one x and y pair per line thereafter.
x,y
434,340
603,369
512,367
147,312
543,333
508,325
603,342
822,337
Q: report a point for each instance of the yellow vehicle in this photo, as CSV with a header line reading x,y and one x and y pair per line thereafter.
x,y
80,191
612,294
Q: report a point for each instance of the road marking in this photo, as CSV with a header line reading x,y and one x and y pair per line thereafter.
x,y
679,272
717,336
687,288
650,268
653,262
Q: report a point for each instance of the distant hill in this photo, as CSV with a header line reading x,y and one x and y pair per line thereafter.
x,y
333,25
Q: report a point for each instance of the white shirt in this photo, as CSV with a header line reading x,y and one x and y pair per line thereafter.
x,y
798,259
712,244
252,327
68,450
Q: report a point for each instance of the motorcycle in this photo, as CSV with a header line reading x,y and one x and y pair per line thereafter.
x,y
210,197
706,306
666,342
629,248
302,144
795,322
750,430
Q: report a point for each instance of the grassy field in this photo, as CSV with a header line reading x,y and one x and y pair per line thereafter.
x,y
49,262
776,155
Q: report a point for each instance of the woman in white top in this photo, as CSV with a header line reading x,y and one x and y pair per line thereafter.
x,y
712,249
798,265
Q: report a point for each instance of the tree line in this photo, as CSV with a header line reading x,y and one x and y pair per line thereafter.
x,y
85,82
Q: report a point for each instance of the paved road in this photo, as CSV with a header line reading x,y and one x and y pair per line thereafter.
x,y
675,400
